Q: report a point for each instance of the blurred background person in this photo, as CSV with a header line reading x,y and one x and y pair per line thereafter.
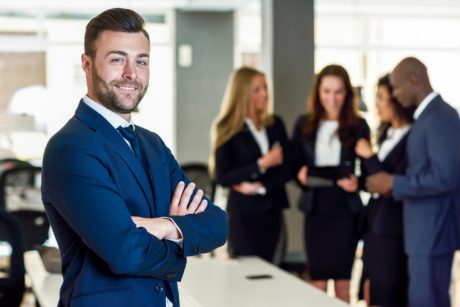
x,y
429,189
326,136
385,263
249,145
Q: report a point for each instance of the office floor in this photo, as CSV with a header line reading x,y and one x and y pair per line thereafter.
x,y
29,299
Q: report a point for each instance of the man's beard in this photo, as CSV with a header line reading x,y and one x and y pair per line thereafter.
x,y
105,94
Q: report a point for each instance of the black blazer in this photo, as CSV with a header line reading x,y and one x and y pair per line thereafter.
x,y
384,214
305,155
236,161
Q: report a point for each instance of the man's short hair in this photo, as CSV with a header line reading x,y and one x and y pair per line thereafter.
x,y
116,19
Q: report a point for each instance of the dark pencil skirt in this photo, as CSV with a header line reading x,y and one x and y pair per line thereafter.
x,y
255,233
331,236
385,264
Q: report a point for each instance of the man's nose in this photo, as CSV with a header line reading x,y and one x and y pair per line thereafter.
x,y
129,71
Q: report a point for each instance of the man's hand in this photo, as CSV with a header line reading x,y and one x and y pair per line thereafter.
x,y
348,184
163,227
247,188
181,198
159,227
302,175
380,183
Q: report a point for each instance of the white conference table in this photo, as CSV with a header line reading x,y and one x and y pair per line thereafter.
x,y
211,282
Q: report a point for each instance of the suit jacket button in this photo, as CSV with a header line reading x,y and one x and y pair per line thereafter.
x,y
158,288
195,249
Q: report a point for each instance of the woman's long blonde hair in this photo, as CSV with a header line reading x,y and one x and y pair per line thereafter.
x,y
234,109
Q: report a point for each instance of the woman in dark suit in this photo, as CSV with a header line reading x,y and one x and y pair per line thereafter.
x,y
326,136
248,149
385,267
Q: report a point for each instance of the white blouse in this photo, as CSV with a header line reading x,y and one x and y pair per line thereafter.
x,y
394,135
260,136
328,145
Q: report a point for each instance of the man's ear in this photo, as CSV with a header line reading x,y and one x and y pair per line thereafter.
x,y
86,63
413,80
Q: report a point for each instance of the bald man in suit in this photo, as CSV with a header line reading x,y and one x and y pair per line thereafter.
x,y
429,189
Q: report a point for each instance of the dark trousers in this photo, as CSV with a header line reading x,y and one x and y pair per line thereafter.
x,y
429,280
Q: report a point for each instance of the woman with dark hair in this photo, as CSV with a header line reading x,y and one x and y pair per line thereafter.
x,y
326,137
385,269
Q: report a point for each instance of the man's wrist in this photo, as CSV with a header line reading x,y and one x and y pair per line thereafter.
x,y
172,231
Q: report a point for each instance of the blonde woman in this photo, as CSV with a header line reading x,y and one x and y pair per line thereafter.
x,y
248,149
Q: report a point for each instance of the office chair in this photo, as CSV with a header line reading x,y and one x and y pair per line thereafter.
x,y
12,284
34,226
198,173
17,177
20,195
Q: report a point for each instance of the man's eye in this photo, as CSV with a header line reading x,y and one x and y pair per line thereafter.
x,y
117,60
142,62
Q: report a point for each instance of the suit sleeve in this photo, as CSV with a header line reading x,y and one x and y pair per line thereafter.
x,y
366,167
278,176
226,173
441,175
78,184
299,158
201,232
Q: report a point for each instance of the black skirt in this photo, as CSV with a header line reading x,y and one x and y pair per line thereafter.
x,y
331,236
385,264
255,234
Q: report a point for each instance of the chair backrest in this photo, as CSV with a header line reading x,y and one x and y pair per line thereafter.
x,y
19,179
12,282
20,195
198,173
34,227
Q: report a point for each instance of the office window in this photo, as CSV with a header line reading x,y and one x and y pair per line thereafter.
x,y
369,39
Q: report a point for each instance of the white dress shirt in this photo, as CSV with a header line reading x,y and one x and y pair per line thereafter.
x,y
394,135
425,102
328,145
261,138
116,121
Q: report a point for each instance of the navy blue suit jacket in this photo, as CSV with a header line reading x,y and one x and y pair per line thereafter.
x,y
92,184
430,189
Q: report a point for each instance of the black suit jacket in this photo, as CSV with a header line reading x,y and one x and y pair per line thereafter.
x,y
384,214
305,155
236,161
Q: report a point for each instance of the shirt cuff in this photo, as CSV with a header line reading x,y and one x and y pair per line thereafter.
x,y
261,169
262,191
180,241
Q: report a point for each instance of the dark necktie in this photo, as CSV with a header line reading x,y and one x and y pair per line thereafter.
x,y
129,135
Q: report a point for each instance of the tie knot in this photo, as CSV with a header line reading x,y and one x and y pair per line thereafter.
x,y
127,133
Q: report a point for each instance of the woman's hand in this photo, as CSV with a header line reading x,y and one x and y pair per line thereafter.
x,y
363,149
302,175
272,158
348,184
247,188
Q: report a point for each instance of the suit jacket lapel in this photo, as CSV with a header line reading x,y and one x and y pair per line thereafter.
x,y
251,141
111,137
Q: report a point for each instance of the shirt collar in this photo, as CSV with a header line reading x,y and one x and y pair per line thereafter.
x,y
425,102
251,125
392,132
113,118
